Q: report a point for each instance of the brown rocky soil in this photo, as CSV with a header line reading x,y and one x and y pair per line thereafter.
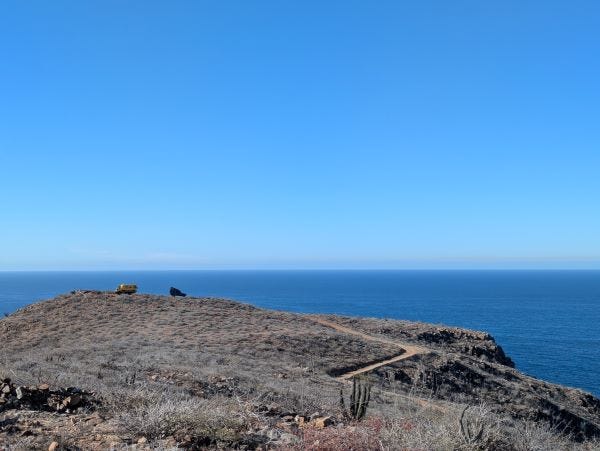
x,y
199,373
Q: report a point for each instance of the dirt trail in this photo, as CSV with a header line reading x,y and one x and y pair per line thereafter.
x,y
409,350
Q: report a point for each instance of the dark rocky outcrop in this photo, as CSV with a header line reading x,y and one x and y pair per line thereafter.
x,y
477,344
465,378
40,397
176,292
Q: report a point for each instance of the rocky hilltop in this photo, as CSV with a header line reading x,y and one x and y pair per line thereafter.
x,y
92,370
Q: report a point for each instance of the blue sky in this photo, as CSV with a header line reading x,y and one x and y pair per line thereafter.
x,y
299,134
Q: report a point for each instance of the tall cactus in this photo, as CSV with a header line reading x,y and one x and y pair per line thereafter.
x,y
359,399
471,433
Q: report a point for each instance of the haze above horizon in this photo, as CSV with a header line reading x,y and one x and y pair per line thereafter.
x,y
284,135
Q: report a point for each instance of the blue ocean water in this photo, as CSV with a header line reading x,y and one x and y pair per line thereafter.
x,y
547,321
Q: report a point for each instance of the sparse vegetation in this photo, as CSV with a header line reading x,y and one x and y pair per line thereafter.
x,y
191,373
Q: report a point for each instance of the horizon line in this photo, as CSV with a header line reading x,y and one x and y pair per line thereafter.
x,y
291,269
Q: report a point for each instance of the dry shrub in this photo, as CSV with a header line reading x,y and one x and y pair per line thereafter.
x,y
359,436
431,429
530,436
477,429
418,433
210,421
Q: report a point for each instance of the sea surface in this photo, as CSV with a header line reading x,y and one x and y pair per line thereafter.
x,y
548,322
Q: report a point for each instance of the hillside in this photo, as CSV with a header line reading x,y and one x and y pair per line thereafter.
x,y
158,371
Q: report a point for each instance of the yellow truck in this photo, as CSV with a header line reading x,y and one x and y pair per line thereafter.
x,y
126,289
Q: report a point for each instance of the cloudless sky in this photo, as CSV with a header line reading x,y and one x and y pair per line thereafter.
x,y
299,134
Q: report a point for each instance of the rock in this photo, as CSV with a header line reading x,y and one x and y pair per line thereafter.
x,y
72,401
6,389
322,422
142,441
170,442
94,420
61,400
53,446
55,402
176,292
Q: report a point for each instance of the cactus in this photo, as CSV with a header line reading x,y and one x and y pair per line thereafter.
x,y
359,399
471,433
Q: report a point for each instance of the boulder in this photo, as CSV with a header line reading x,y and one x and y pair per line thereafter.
x,y
72,401
176,292
322,422
300,420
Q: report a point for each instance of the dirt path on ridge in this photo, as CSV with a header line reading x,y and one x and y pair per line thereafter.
x,y
409,350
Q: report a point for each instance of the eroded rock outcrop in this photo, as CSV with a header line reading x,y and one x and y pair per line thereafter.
x,y
64,400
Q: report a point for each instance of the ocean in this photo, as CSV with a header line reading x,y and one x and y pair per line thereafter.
x,y
548,322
